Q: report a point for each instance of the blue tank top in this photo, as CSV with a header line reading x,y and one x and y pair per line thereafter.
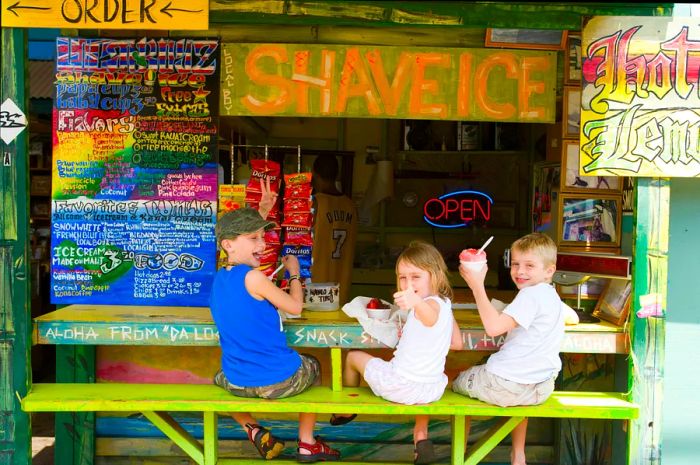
x,y
254,350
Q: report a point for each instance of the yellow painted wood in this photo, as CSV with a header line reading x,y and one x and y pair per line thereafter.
x,y
490,439
354,81
336,369
119,397
174,431
459,439
108,14
310,34
211,438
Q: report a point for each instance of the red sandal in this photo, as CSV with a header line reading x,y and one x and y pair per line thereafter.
x,y
267,445
320,452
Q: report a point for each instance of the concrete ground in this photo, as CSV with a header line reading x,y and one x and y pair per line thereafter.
x,y
42,439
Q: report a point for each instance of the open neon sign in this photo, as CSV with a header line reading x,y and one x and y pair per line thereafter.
x,y
457,209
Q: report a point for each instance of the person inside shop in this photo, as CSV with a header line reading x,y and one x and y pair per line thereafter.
x,y
416,374
335,228
522,372
255,358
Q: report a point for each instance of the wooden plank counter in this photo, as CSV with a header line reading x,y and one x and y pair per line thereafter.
x,y
193,326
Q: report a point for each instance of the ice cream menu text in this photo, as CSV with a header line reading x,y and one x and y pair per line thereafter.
x,y
134,177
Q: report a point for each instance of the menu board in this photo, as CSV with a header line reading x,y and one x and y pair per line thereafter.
x,y
134,171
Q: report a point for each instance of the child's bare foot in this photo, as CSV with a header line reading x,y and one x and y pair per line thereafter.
x,y
517,459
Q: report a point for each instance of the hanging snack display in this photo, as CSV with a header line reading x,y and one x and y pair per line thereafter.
x,y
298,220
264,171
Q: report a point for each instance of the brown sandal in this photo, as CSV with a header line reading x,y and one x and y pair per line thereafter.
x,y
320,451
267,445
425,452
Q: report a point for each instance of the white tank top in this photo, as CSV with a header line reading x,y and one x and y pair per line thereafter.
x,y
421,352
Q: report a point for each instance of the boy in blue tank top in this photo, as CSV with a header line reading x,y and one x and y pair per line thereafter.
x,y
256,360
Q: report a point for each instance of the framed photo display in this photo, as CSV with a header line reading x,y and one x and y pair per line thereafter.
x,y
614,302
572,181
545,184
571,113
535,39
590,220
572,73
590,289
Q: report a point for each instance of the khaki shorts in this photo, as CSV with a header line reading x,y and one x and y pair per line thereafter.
x,y
479,383
307,373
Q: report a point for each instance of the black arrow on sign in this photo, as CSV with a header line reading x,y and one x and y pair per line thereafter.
x,y
17,6
167,8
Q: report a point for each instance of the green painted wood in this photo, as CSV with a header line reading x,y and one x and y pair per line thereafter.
x,y
75,431
211,450
336,369
258,461
491,438
459,438
650,276
177,434
15,326
120,397
456,15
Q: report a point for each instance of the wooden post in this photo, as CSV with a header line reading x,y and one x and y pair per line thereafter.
x,y
650,278
15,325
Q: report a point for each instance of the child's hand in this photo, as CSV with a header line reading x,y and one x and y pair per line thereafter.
x,y
268,198
407,298
291,263
473,278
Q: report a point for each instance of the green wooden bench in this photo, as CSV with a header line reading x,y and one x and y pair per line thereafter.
x,y
155,400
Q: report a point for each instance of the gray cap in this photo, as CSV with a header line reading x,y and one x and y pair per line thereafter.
x,y
241,221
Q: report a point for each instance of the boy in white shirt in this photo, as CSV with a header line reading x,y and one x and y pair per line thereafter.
x,y
522,372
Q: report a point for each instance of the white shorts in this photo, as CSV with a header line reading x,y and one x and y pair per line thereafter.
x,y
479,383
389,385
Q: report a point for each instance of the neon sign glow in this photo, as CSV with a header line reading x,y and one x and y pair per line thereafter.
x,y
457,209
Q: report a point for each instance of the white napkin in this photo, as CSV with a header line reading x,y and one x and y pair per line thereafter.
x,y
385,331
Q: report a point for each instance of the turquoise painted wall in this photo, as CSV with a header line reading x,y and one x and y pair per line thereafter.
x,y
681,404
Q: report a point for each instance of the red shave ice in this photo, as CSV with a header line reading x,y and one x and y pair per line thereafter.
x,y
472,255
375,303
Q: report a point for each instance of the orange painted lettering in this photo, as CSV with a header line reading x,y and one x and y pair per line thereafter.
x,y
390,95
501,111
464,84
275,104
527,87
421,85
304,81
361,87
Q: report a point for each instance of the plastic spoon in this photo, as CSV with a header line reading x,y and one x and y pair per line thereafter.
x,y
274,273
488,241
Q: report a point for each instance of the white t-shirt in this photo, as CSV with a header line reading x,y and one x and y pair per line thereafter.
x,y
530,353
422,350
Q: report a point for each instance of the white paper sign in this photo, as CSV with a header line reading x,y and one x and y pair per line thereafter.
x,y
12,121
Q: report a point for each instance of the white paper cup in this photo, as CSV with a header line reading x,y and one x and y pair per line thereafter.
x,y
474,266
379,313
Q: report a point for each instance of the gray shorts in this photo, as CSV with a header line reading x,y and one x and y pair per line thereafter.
x,y
479,383
302,379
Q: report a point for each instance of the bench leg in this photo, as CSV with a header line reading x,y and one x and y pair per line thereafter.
x,y
491,438
177,434
211,438
459,439
336,369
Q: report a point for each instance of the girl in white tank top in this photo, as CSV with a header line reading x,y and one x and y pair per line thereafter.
x,y
416,373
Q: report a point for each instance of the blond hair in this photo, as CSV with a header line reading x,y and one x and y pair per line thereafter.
x,y
426,257
540,244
